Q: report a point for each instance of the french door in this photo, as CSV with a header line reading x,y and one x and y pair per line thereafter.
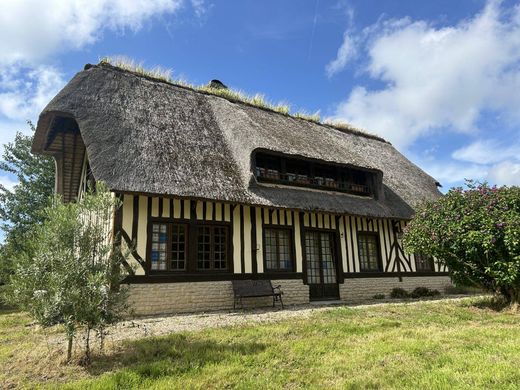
x,y
320,258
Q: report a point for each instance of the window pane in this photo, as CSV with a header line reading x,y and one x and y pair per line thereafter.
x,y
220,248
327,260
212,247
368,252
312,255
159,239
278,249
271,257
178,254
203,248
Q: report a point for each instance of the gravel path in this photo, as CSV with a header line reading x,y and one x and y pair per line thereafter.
x,y
155,326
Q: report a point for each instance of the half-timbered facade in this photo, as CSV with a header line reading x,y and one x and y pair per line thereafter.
x,y
214,190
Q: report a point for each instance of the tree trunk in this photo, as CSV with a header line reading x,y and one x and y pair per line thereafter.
x,y
101,333
87,347
512,296
69,347
515,299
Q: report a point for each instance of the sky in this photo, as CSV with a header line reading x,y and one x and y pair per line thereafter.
x,y
439,79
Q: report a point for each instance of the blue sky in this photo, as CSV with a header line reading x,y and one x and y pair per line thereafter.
x,y
439,79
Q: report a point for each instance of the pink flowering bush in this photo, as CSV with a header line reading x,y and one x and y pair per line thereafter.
x,y
475,231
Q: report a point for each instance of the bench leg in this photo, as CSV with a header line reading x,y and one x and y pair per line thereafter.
x,y
281,301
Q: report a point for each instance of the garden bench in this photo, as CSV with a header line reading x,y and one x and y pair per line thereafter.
x,y
254,289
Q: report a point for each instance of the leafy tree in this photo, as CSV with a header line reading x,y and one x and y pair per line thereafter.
x,y
475,231
21,208
73,273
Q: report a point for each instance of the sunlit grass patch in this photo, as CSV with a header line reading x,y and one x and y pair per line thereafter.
x,y
435,344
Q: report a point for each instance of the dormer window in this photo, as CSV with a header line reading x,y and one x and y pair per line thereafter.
x,y
300,172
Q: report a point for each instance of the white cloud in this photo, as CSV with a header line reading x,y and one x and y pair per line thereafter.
x,y
31,30
25,91
437,77
346,53
8,130
451,173
201,8
7,182
506,172
502,160
487,151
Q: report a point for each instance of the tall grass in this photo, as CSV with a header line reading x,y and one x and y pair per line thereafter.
x,y
131,65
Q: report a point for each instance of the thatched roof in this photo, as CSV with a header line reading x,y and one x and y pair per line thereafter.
x,y
149,136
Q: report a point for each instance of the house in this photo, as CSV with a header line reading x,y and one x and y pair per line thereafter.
x,y
215,189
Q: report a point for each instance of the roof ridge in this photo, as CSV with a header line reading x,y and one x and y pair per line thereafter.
x,y
342,129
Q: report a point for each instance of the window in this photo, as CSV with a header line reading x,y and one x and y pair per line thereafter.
x,y
178,248
278,249
212,248
368,252
273,168
168,247
423,263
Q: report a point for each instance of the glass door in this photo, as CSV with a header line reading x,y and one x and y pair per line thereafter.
x,y
320,260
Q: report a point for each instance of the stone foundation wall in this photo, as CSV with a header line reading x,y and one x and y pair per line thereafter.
x,y
166,298
358,289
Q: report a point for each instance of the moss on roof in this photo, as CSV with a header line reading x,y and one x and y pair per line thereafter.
x,y
236,96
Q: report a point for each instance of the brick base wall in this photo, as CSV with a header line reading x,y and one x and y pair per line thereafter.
x,y
358,289
166,298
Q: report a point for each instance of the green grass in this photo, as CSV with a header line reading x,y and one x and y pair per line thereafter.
x,y
434,345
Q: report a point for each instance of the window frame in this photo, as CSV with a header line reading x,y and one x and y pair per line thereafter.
x,y
169,225
190,246
425,260
212,225
329,182
292,249
379,259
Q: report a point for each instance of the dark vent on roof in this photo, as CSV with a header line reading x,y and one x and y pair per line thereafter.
x,y
217,84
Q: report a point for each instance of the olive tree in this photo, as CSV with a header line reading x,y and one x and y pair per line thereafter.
x,y
72,274
475,231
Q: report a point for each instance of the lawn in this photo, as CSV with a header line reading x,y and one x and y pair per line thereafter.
x,y
437,344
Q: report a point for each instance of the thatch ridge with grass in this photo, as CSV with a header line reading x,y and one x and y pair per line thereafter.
x,y
257,100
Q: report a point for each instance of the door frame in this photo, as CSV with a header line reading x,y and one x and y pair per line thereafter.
x,y
337,247
336,252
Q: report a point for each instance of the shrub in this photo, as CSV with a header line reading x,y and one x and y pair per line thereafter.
x,y
419,292
475,232
71,275
379,296
399,292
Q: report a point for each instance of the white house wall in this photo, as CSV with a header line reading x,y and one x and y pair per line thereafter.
x,y
246,224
